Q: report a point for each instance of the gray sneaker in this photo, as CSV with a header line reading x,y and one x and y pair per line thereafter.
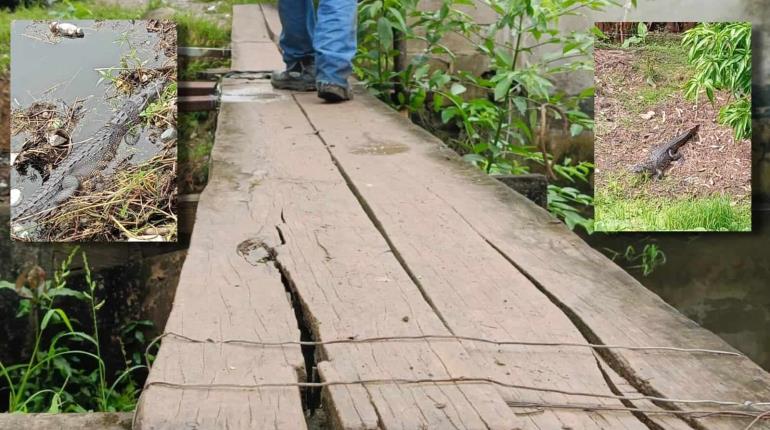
x,y
334,93
300,77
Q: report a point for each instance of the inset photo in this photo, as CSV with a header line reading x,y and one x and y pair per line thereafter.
x,y
93,131
673,126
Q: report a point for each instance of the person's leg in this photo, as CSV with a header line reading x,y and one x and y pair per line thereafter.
x,y
335,45
298,23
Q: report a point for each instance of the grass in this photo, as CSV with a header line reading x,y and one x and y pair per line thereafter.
x,y
66,370
713,213
200,31
662,62
196,139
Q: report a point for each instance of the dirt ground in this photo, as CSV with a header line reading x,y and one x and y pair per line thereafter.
x,y
632,83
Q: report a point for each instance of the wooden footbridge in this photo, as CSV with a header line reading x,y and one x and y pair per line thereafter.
x,y
344,257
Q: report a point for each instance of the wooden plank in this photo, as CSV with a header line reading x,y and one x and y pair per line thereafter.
x,y
197,103
249,24
350,286
196,88
665,421
476,291
253,49
255,57
606,303
225,294
273,21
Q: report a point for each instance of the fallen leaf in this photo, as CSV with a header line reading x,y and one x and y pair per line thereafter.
x,y
647,116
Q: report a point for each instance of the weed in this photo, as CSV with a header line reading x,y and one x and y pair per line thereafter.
x,y
196,139
66,371
647,260
160,113
639,38
196,31
721,55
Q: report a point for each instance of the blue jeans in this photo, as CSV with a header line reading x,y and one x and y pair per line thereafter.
x,y
329,36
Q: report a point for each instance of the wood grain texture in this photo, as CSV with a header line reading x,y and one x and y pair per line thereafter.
x,y
667,422
603,301
253,49
273,21
225,294
350,285
475,290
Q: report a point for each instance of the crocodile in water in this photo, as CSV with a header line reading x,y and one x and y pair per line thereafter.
x,y
661,156
87,158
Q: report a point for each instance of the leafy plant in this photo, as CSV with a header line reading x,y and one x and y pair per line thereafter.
x,y
639,38
647,260
157,111
66,371
502,117
721,55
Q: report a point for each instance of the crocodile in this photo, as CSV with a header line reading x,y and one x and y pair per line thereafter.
x,y
87,158
661,156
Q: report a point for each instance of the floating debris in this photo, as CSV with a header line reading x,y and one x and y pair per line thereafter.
x,y
46,127
65,29
15,196
168,134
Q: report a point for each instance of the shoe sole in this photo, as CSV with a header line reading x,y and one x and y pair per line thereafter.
x,y
333,97
294,86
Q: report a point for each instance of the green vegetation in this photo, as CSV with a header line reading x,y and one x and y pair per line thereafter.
x,y
66,370
159,112
196,139
721,55
639,38
649,258
714,213
193,30
664,66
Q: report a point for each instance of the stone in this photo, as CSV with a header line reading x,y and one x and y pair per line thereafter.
x,y
168,135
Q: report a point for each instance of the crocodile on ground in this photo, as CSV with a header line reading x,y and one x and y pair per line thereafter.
x,y
87,158
660,157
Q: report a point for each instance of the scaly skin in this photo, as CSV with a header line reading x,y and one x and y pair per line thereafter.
x,y
662,156
87,158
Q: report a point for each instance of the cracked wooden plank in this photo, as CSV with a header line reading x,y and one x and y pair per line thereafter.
x,y
662,419
225,294
350,285
606,304
475,290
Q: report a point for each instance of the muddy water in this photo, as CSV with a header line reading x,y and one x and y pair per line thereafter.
x,y
49,69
